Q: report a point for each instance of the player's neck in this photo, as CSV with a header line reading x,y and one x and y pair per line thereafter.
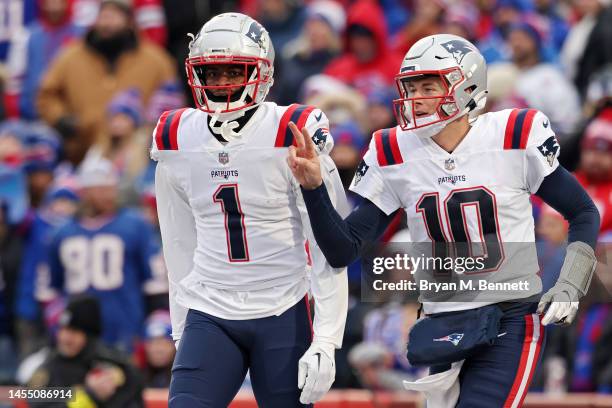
x,y
242,121
452,134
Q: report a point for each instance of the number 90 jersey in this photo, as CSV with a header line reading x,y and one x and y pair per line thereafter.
x,y
479,193
233,222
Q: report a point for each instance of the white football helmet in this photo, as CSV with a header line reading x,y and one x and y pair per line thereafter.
x,y
231,38
463,71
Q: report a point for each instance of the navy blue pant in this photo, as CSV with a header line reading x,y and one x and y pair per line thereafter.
x,y
499,375
214,355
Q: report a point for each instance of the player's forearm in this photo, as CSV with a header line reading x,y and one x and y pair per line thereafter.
x,y
340,239
330,292
562,192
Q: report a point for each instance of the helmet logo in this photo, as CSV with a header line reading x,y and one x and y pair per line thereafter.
x,y
458,49
255,33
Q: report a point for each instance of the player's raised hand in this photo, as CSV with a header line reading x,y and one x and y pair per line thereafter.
x,y
303,159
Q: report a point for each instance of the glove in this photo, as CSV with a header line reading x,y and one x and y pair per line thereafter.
x,y
574,281
316,372
561,310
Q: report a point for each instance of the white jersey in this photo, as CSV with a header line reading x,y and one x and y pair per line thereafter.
x,y
478,193
233,222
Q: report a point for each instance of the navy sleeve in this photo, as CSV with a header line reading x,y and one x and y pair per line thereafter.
x,y
341,240
561,191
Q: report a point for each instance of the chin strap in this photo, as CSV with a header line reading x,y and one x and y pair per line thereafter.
x,y
226,128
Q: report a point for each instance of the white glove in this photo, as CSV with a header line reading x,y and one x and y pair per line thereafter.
x,y
316,372
561,312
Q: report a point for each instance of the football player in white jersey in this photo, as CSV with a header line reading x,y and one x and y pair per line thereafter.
x,y
236,235
462,177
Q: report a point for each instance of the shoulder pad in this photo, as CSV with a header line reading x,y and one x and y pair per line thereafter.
x,y
166,131
387,149
297,114
518,128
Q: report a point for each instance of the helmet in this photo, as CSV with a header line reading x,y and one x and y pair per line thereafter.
x,y
231,38
463,71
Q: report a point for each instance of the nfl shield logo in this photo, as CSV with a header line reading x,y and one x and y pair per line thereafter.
x,y
223,157
449,164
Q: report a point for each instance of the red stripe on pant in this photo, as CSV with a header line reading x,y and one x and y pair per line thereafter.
x,y
534,335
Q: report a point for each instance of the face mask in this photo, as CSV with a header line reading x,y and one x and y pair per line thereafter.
x,y
428,131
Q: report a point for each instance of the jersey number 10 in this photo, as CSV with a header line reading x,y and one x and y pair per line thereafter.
x,y
454,209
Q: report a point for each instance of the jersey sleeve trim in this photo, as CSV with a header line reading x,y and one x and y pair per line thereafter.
x,y
166,133
387,149
518,128
297,114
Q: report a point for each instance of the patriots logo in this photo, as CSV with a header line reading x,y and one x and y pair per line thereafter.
x,y
454,338
255,33
458,49
362,169
549,149
320,138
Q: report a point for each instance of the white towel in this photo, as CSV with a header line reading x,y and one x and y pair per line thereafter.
x,y
442,389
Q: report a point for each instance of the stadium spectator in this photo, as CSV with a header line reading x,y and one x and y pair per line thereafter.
x,y
379,110
340,102
124,144
80,83
159,350
17,14
149,17
367,62
503,15
33,148
349,143
32,50
595,170
100,376
283,19
598,50
307,55
578,36
41,150
168,96
58,206
558,26
397,13
106,251
428,19
540,84
461,19
380,360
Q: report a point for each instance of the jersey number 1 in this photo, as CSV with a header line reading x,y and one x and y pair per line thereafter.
x,y
235,232
454,206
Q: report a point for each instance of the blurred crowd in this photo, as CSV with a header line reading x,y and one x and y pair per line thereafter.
x,y
83,84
